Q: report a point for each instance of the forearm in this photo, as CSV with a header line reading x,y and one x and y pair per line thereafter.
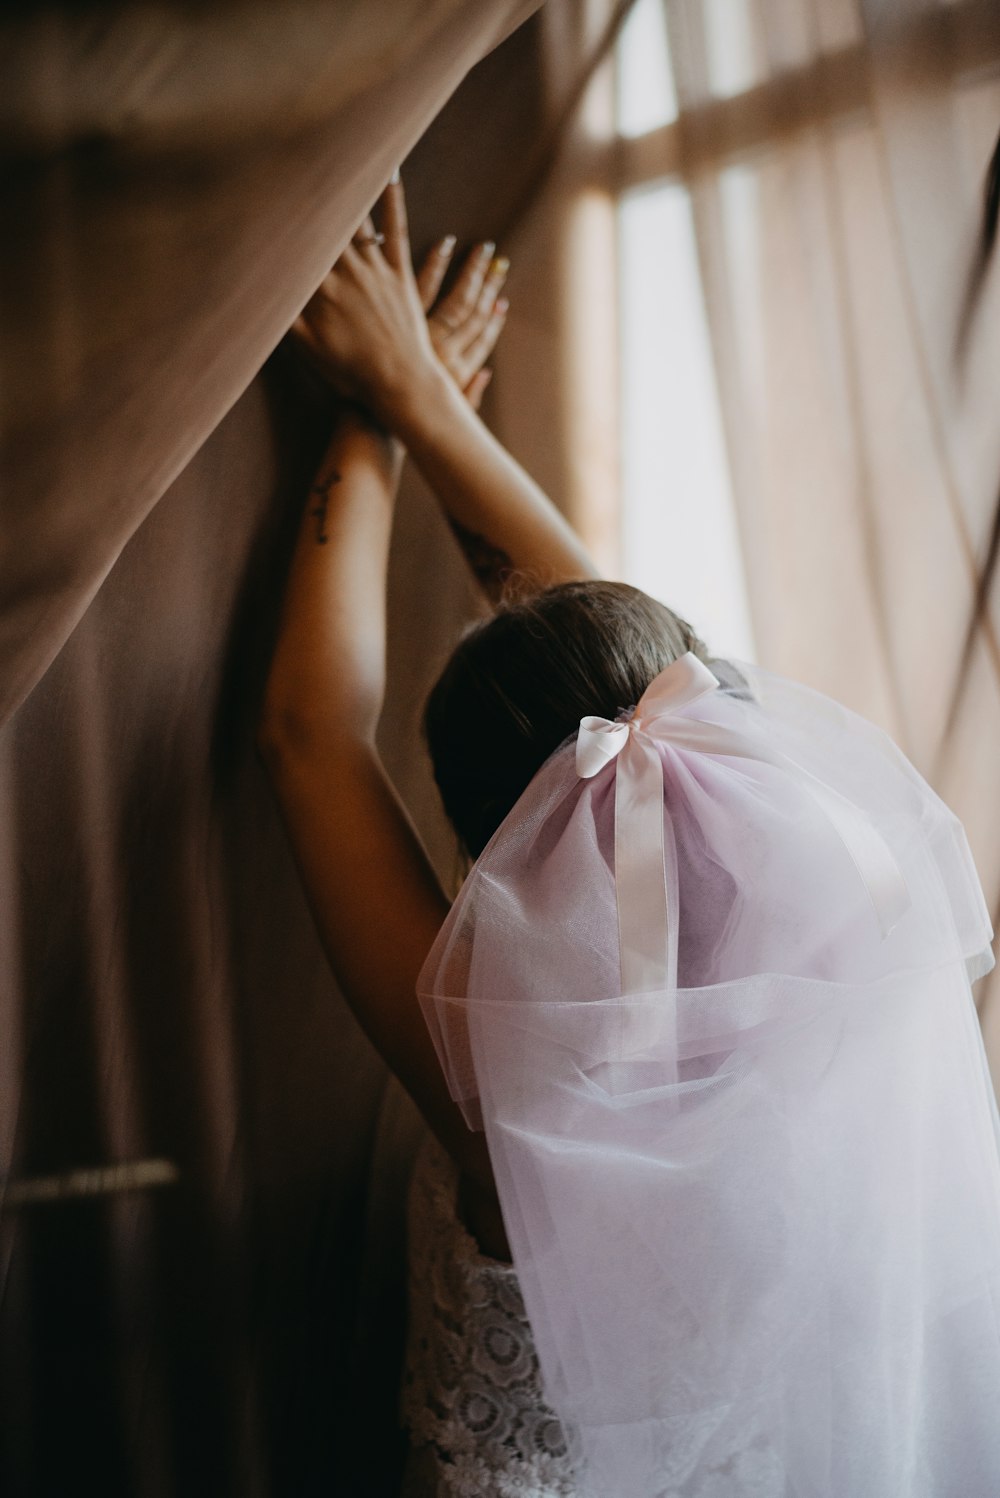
x,y
504,521
327,675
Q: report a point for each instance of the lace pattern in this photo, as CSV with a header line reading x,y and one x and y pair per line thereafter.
x,y
472,1394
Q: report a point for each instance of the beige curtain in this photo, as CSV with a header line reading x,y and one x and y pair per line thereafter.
x,y
836,252
175,185
201,1170
837,197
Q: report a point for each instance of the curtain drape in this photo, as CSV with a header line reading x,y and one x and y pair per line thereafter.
x,y
202,1169
175,185
860,411
836,154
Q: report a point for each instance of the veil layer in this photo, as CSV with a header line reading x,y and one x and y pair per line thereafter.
x,y
708,991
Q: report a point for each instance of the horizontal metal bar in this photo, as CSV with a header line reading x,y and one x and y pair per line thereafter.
x,y
98,1180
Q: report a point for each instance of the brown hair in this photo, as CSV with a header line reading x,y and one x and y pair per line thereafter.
x,y
518,684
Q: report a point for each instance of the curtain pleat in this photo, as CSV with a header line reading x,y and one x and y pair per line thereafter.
x,y
174,188
201,1250
856,375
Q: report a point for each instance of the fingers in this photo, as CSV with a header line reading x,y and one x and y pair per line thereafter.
x,y
467,322
476,388
482,346
302,331
485,302
397,235
366,237
468,344
433,271
460,303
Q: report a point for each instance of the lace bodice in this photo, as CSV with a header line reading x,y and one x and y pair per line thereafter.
x,y
472,1393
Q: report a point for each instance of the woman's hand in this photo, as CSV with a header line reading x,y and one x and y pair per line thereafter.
x,y
420,378
367,329
465,324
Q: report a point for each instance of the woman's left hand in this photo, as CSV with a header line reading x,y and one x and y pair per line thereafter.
x,y
366,327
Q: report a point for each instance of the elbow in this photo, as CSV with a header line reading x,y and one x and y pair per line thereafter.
x,y
284,733
272,741
290,712
267,738
290,733
283,730
316,700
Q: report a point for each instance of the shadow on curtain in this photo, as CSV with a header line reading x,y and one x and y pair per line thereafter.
x,y
188,1114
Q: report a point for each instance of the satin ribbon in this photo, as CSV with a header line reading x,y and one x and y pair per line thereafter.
x,y
647,927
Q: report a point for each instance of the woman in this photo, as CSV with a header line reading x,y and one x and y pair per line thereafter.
x,y
706,987
416,384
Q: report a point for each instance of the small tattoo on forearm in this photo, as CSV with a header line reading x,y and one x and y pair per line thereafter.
x,y
322,492
490,564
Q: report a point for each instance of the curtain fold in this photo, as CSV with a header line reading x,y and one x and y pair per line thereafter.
x,y
836,154
860,414
202,1173
174,188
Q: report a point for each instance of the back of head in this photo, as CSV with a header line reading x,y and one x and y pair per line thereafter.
x,y
518,684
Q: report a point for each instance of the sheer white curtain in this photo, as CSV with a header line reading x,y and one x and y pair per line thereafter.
x,y
865,450
832,156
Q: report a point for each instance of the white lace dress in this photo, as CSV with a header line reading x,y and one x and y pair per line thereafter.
x,y
472,1396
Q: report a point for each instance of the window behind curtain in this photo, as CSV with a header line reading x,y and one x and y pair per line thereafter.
x,y
679,537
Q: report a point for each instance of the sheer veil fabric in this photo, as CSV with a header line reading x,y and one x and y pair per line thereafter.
x,y
746,1144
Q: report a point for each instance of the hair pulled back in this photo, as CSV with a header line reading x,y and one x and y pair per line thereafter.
x,y
518,684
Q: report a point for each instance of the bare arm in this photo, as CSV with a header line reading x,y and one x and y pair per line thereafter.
x,y
363,322
374,895
506,524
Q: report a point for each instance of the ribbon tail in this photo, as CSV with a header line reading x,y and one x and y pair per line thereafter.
x,y
645,867
643,927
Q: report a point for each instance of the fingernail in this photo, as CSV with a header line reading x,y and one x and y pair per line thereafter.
x,y
500,266
502,304
395,176
487,250
447,244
